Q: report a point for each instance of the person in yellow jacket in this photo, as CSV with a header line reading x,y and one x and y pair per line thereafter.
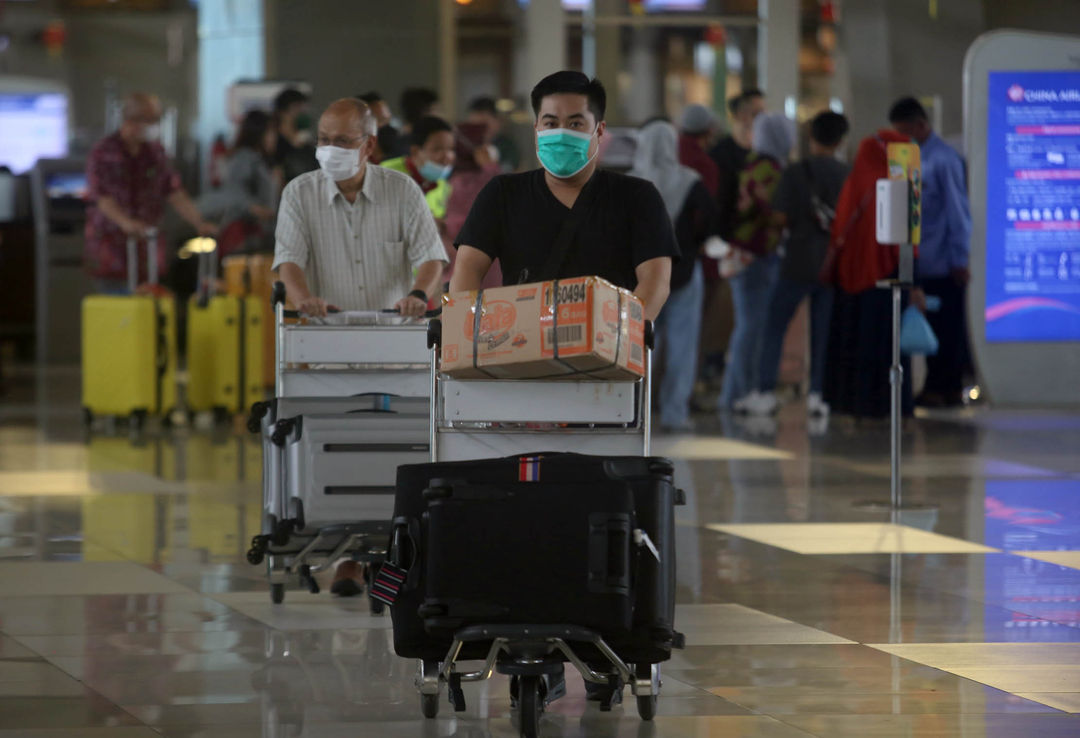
x,y
429,163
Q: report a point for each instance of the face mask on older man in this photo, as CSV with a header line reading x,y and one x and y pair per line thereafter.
x,y
337,163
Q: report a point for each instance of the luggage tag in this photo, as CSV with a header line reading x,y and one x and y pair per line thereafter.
x,y
388,583
641,538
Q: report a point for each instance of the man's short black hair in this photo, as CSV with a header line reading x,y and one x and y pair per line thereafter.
x,y
483,104
287,98
574,83
427,127
416,102
370,97
907,110
829,128
735,102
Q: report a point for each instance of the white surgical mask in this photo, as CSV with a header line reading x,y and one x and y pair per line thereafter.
x,y
337,163
152,132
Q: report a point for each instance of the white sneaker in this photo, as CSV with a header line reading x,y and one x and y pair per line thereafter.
x,y
759,403
742,405
815,406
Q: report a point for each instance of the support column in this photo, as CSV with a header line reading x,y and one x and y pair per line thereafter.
x,y
232,46
448,59
545,41
778,51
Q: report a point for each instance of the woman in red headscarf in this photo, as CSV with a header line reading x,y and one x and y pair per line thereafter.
x,y
860,341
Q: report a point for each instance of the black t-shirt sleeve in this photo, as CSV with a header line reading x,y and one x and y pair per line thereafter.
x,y
652,235
483,227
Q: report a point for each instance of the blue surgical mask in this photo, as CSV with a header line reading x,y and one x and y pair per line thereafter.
x,y
562,152
433,172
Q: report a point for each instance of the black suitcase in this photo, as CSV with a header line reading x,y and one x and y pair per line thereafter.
x,y
651,635
535,552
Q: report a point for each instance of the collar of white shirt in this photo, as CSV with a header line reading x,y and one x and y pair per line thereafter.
x,y
368,189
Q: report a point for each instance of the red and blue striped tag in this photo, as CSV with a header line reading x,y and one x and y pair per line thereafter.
x,y
529,469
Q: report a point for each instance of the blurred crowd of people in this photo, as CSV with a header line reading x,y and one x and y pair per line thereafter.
x,y
775,219
766,217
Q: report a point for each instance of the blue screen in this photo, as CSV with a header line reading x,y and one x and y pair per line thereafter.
x,y
1033,207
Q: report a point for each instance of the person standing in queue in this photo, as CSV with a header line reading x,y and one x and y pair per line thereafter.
x,y
429,163
618,227
943,254
130,181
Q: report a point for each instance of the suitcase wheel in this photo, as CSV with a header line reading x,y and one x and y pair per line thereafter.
x,y
277,593
646,704
530,704
429,705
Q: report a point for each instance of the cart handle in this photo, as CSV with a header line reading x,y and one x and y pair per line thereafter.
x,y
650,335
277,297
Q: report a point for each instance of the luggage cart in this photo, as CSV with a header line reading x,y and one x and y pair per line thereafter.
x,y
479,419
319,377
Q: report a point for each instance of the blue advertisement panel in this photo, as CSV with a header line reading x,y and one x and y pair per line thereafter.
x,y
1033,206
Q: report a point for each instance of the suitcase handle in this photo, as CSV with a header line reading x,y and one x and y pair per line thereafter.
x,y
609,553
151,236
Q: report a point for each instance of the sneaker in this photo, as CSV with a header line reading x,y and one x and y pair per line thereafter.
x,y
760,403
816,407
743,404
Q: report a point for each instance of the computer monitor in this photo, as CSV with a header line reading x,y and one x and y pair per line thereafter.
x,y
33,125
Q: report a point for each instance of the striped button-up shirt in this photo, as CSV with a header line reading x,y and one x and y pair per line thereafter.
x,y
360,255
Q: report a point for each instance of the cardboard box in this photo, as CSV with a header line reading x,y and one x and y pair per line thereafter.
x,y
587,329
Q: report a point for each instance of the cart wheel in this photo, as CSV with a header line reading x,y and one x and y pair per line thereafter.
x,y
429,705
277,593
646,704
529,705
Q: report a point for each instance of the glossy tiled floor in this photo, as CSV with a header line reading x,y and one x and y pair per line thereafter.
x,y
127,609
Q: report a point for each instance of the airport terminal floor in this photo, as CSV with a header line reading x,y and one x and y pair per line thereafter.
x,y
128,609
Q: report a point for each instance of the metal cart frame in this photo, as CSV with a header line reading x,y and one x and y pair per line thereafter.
x,y
476,419
319,361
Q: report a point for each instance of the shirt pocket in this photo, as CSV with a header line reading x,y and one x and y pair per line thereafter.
x,y
390,252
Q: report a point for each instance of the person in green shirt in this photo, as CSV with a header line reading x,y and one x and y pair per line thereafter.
x,y
429,162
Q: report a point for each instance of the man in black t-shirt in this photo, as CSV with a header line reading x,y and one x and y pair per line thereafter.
x,y
620,228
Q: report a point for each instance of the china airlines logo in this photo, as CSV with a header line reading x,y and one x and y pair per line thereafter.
x,y
1016,93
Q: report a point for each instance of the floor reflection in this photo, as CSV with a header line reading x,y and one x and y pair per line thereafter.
x,y
130,610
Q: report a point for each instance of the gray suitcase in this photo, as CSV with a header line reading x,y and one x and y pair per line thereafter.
x,y
265,419
340,468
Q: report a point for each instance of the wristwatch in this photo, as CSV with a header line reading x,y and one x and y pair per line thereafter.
x,y
419,295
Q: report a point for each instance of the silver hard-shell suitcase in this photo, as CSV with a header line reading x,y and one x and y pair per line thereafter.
x,y
265,420
341,468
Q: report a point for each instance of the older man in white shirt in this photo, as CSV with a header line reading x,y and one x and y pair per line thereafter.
x,y
353,236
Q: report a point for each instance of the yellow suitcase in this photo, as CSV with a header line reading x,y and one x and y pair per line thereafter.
x,y
128,356
129,347
225,353
250,275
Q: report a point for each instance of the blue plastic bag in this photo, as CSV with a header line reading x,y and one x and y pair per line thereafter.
x,y
916,335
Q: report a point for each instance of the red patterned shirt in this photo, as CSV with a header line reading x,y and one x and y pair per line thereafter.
x,y
140,184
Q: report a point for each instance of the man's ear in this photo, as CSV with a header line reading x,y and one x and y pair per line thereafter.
x,y
413,151
601,127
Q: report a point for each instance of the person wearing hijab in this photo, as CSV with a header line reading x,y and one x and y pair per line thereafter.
x,y
751,264
860,344
693,212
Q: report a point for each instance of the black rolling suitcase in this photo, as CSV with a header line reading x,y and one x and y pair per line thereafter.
x,y
513,540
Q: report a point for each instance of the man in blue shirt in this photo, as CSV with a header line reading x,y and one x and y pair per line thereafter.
x,y
942,268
